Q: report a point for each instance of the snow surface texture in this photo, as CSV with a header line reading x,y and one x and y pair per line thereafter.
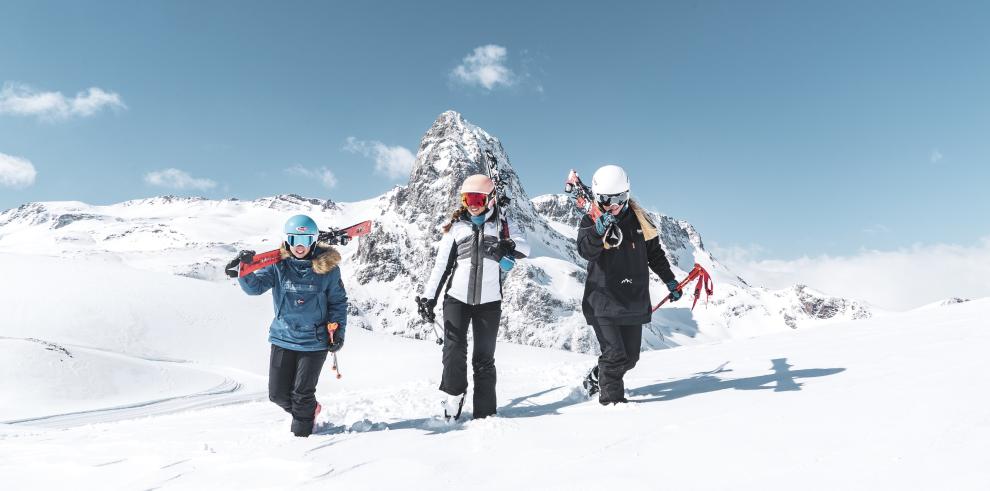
x,y
144,392
195,237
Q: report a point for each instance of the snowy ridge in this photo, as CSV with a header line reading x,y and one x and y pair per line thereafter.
x,y
195,237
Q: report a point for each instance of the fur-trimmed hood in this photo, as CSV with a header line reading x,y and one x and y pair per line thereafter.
x,y
324,257
649,230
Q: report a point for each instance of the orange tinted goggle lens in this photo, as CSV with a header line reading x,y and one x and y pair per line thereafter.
x,y
474,199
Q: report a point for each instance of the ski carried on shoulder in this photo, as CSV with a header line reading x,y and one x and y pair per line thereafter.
x,y
334,236
584,199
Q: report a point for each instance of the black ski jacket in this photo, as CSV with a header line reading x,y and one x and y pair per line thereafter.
x,y
617,290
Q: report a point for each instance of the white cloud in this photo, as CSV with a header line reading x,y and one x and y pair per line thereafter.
x,y
323,174
898,280
485,66
935,156
877,229
16,172
21,100
178,179
395,162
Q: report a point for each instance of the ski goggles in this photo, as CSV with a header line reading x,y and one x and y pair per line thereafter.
x,y
475,199
612,199
304,240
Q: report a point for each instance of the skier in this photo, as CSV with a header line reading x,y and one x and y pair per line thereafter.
x,y
477,244
310,310
617,291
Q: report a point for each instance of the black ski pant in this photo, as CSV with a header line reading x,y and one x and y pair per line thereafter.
x,y
620,351
292,378
484,320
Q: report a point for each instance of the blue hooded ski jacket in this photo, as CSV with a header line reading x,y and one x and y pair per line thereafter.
x,y
307,294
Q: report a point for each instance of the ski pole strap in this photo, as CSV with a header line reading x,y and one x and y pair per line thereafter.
x,y
704,281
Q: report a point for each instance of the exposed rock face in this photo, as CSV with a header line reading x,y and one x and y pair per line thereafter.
x,y
386,269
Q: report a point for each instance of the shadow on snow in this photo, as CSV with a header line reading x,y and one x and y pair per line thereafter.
x,y
783,379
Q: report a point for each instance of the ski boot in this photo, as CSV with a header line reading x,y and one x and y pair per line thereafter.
x,y
591,382
452,406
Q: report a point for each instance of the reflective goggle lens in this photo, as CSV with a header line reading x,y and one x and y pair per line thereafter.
x,y
300,239
612,199
474,199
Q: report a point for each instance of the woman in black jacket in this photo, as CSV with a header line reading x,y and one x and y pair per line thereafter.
x,y
617,292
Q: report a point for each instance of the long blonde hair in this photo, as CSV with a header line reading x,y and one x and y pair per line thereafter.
x,y
454,217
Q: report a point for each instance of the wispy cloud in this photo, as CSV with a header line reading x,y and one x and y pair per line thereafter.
x,y
896,279
485,67
323,174
178,179
935,156
16,172
877,229
21,100
395,162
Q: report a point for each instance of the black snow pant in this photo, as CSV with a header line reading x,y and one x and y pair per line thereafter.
x,y
292,378
620,352
484,320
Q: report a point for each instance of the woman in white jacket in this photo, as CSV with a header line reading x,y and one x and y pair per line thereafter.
x,y
477,246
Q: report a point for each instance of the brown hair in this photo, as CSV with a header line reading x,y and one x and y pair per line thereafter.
x,y
456,215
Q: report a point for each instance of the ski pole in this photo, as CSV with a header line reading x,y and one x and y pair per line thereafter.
x,y
704,281
332,328
335,367
437,333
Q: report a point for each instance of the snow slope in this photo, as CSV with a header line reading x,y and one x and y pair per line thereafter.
x,y
887,403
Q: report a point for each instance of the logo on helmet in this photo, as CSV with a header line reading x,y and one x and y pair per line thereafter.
x,y
302,229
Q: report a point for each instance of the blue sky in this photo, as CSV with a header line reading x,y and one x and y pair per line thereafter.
x,y
779,129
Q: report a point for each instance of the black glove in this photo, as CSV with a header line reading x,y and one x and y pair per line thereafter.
x,y
675,293
242,257
505,247
338,339
425,307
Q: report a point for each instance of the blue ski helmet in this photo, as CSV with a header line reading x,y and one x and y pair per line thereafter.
x,y
300,229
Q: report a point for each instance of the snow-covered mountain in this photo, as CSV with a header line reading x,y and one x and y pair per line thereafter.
x,y
383,272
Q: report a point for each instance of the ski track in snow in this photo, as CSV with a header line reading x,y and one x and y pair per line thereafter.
x,y
229,391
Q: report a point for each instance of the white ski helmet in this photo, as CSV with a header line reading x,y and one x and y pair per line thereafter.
x,y
478,183
610,179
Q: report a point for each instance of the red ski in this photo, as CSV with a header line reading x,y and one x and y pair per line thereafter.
x,y
584,199
333,236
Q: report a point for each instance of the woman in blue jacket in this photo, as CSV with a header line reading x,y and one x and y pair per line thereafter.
x,y
309,300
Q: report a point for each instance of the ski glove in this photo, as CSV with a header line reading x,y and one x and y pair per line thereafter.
x,y
505,247
242,257
246,256
338,339
505,251
425,307
675,293
507,263
603,222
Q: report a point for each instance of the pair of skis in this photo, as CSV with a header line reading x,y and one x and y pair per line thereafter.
x,y
584,199
334,236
